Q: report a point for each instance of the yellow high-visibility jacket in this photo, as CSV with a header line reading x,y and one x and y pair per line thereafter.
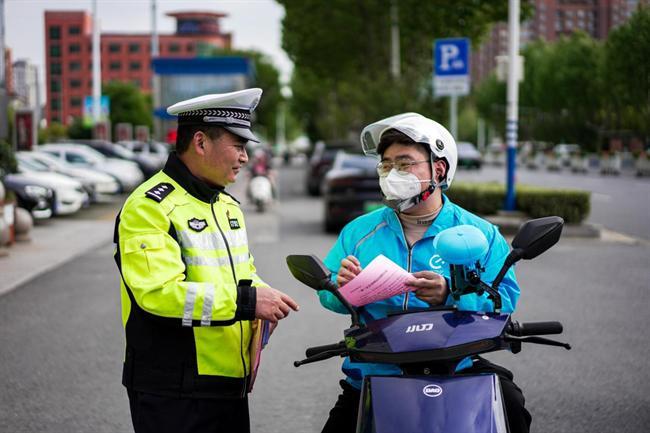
x,y
187,287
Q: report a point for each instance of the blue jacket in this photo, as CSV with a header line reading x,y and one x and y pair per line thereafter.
x,y
380,232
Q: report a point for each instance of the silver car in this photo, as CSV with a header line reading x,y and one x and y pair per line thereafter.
x,y
126,172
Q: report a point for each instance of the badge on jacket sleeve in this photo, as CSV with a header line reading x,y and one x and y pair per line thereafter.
x,y
234,222
197,225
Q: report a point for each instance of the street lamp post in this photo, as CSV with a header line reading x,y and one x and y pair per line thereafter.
x,y
512,101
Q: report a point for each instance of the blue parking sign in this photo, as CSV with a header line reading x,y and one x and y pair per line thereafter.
x,y
451,66
451,56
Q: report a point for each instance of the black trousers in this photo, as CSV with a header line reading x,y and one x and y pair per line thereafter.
x,y
157,414
343,416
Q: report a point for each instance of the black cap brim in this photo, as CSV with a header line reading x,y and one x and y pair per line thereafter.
x,y
242,132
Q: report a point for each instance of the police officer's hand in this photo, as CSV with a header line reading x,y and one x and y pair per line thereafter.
x,y
350,268
430,287
273,305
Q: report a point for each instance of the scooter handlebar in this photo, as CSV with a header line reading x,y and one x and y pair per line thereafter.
x,y
311,351
535,328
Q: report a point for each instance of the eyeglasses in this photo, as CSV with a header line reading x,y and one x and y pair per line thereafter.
x,y
401,165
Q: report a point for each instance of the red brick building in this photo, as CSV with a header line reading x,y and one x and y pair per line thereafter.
x,y
124,57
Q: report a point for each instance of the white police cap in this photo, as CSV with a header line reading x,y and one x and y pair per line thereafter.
x,y
231,111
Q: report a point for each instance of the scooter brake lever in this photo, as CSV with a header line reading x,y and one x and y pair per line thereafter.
x,y
321,356
538,340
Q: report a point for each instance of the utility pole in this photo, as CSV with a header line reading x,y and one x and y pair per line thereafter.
x,y
155,51
97,73
4,127
394,38
512,116
154,30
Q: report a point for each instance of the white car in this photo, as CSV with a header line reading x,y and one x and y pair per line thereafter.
x,y
69,194
100,183
126,172
155,152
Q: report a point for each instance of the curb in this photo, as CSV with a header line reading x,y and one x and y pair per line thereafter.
x,y
509,225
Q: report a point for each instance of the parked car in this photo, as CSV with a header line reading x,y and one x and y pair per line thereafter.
x,y
31,195
321,161
468,155
564,152
350,189
148,164
155,151
127,173
100,183
69,194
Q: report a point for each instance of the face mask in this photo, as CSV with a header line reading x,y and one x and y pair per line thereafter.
x,y
397,186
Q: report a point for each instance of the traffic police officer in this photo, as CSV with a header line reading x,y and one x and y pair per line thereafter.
x,y
189,287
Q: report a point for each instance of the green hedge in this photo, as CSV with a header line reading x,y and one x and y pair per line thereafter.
x,y
488,199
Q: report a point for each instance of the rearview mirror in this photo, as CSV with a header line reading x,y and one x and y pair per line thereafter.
x,y
309,270
538,235
533,238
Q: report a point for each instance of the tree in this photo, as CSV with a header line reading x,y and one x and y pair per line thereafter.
x,y
267,77
128,104
627,74
54,132
561,97
341,55
77,130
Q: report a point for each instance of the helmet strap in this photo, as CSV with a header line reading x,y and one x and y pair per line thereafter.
x,y
402,205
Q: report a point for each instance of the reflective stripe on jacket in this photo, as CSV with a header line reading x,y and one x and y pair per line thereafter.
x,y
380,232
187,287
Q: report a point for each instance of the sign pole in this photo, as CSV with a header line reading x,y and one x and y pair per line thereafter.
x,y
512,101
453,115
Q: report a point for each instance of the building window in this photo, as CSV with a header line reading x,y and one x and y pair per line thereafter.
x,y
55,104
134,48
75,84
190,48
55,85
55,51
56,119
74,48
115,66
174,48
55,32
55,68
135,66
74,30
136,83
75,66
114,48
75,102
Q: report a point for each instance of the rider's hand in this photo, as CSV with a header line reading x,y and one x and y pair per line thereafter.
x,y
273,305
430,287
350,268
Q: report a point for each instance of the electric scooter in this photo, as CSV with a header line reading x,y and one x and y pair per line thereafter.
x,y
428,344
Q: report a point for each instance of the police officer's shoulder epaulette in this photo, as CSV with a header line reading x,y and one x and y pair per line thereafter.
x,y
159,192
231,196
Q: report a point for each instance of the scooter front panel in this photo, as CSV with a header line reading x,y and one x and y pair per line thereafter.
x,y
430,330
461,404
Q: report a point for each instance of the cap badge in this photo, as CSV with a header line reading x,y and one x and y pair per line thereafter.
x,y
439,144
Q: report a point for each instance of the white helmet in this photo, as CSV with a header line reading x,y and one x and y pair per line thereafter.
x,y
421,130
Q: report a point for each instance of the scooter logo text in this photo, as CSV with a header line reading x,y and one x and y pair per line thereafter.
x,y
432,390
419,328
